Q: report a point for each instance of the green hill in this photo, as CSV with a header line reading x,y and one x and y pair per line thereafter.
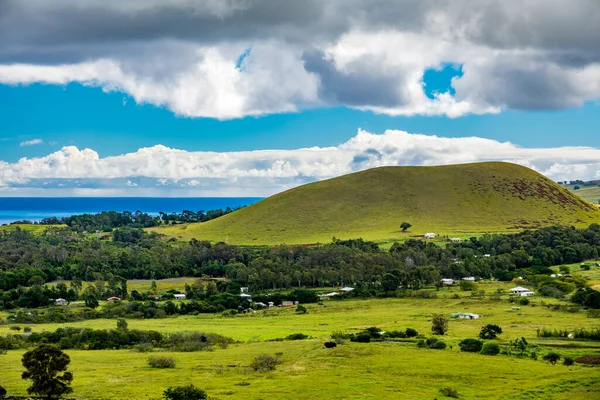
x,y
454,200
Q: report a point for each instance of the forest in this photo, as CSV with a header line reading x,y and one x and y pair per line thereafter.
x,y
32,259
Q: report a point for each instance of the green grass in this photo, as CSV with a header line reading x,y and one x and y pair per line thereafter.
x,y
30,227
589,193
353,371
458,200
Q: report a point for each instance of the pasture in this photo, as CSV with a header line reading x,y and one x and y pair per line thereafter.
x,y
352,370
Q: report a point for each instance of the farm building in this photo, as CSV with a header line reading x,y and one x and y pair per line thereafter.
x,y
113,299
180,296
429,235
469,278
244,289
526,294
328,296
464,315
60,302
245,295
518,290
447,281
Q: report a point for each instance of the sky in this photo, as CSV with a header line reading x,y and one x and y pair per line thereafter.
x,y
252,97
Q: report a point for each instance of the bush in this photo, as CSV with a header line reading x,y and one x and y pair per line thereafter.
x,y
552,357
568,361
27,329
467,286
339,336
470,345
490,331
432,343
395,334
2,391
361,338
490,349
189,392
449,392
300,309
143,347
524,301
264,363
15,328
410,332
330,345
296,336
161,362
374,331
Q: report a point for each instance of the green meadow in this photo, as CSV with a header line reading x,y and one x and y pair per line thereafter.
x,y
352,370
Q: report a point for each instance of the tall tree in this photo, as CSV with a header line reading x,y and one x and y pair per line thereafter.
x,y
43,365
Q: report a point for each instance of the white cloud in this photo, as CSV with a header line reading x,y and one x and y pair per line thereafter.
x,y
160,170
32,142
185,55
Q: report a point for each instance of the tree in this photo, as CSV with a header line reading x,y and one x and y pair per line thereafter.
x,y
439,324
43,365
490,349
122,324
471,345
91,302
2,391
189,392
300,309
404,226
490,331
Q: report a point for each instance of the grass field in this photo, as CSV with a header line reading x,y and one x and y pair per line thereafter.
x,y
589,193
358,371
447,200
29,227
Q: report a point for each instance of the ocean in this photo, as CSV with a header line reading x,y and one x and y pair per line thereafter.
x,y
35,208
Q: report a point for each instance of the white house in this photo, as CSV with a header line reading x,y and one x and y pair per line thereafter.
x,y
447,281
60,302
179,296
245,295
526,294
519,289
244,289
346,289
429,235
469,278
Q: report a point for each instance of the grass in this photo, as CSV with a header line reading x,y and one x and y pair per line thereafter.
x,y
447,200
589,193
29,227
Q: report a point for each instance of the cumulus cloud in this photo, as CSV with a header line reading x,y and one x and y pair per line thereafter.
x,y
32,142
160,170
234,58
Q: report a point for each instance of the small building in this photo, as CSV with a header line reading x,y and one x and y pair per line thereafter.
x,y
487,255
271,304
469,278
113,299
448,282
179,296
60,302
155,296
464,315
345,289
244,289
260,304
430,235
526,294
287,304
518,290
328,296
455,240
245,295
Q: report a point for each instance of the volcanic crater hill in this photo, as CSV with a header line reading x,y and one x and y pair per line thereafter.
x,y
453,200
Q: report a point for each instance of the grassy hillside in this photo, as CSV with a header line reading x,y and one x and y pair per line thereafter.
x,y
457,199
589,193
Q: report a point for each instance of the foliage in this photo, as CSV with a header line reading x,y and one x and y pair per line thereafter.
x,y
404,226
297,336
410,332
300,309
467,286
490,331
524,301
432,343
568,361
122,324
490,349
189,392
449,392
330,345
43,366
552,357
2,391
161,362
470,345
364,337
264,363
439,324
587,297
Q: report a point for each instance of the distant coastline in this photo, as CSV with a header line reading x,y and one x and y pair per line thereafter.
x,y
36,208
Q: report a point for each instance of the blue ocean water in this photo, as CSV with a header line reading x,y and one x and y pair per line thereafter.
x,y
35,208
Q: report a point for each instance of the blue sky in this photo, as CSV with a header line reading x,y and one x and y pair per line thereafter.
x,y
223,96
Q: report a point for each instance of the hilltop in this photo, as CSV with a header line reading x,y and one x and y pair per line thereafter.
x,y
455,199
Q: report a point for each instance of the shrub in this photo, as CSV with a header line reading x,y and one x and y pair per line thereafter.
x,y
432,343
189,392
27,329
449,392
395,334
361,338
467,286
15,328
490,331
300,309
552,357
470,345
296,336
161,362
410,332
143,347
2,391
490,349
374,332
524,301
264,363
439,324
330,345
339,336
568,361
